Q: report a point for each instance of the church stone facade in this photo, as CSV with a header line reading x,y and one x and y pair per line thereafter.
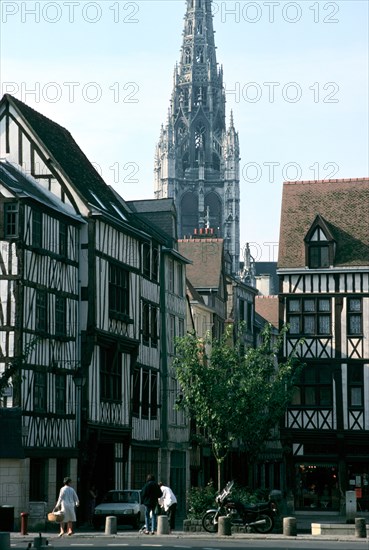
x,y
197,157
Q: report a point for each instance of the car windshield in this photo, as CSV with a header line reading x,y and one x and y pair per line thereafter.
x,y
131,497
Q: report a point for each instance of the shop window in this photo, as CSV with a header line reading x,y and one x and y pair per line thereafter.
x,y
315,388
354,317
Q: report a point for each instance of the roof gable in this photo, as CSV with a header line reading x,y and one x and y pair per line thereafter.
x,y
343,207
70,159
207,266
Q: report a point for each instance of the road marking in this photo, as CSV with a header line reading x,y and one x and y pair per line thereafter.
x,y
118,544
81,544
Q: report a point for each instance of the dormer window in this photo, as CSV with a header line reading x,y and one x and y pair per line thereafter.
x,y
319,245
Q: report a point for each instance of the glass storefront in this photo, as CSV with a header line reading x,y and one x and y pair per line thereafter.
x,y
317,487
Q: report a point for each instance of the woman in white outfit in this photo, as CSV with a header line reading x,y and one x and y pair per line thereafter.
x,y
67,502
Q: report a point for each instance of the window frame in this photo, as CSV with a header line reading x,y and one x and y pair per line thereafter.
x,y
37,229
40,392
11,210
60,393
41,311
351,314
306,386
302,314
60,316
355,381
119,292
110,375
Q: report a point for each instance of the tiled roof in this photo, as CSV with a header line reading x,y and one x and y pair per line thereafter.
x,y
267,307
207,258
74,163
344,206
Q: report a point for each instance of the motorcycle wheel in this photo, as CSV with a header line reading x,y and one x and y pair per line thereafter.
x,y
208,522
267,526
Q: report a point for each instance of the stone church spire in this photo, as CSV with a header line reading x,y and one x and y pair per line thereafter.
x,y
197,158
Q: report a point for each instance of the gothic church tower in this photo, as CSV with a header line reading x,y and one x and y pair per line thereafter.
x,y
197,157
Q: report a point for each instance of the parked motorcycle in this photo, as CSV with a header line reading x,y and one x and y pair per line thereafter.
x,y
258,516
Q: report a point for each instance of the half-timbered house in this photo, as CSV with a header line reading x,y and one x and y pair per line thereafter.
x,y
107,270
172,433
323,268
39,339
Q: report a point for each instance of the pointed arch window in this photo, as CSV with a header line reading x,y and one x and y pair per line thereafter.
x,y
319,245
188,56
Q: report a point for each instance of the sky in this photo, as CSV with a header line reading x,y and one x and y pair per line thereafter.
x,y
295,74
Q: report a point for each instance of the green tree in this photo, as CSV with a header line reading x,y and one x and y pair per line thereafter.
x,y
233,395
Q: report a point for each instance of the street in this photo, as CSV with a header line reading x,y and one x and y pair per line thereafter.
x,y
203,543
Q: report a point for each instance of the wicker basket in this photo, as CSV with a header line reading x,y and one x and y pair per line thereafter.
x,y
58,517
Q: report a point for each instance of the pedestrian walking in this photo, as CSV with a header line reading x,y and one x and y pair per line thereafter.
x,y
151,493
168,501
67,502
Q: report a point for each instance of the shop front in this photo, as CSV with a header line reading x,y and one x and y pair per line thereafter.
x,y
317,486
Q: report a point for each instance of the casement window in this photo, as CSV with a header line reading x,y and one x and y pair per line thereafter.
x,y
37,228
145,393
60,393
315,387
170,275
154,326
241,305
172,333
181,327
60,316
319,246
63,239
355,386
110,375
41,311
180,280
39,392
118,292
149,324
155,264
354,317
146,260
11,217
309,316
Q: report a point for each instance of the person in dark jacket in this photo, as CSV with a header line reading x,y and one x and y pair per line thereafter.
x,y
151,492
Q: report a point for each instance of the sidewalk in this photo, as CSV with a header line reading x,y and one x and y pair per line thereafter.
x,y
304,521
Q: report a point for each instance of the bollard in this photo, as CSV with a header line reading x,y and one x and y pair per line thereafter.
x,y
289,527
360,528
111,525
24,523
4,541
163,525
224,526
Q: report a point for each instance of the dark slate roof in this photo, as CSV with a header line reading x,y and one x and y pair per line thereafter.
x,y
268,268
268,308
24,186
344,206
160,212
71,159
207,261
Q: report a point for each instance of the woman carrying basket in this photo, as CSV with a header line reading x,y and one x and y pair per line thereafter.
x,y
67,502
